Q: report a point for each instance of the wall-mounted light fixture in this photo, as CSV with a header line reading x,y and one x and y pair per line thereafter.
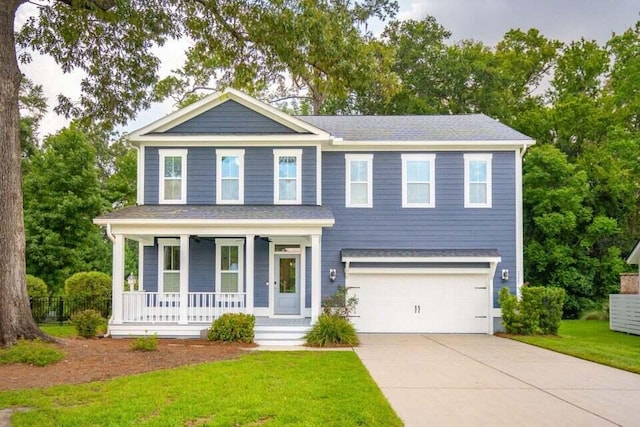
x,y
505,274
333,274
132,280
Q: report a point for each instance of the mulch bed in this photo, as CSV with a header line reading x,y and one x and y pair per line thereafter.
x,y
101,359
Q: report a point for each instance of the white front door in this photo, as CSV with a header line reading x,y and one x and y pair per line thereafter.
x,y
287,284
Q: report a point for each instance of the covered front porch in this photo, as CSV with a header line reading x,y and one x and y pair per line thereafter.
x,y
199,262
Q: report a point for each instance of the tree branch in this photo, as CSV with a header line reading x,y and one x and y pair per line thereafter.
x,y
212,6
103,5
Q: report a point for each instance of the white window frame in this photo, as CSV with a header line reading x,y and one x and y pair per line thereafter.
x,y
487,158
358,157
240,245
422,157
220,153
162,243
277,153
183,184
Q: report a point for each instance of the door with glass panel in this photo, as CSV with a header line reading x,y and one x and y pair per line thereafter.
x,y
287,284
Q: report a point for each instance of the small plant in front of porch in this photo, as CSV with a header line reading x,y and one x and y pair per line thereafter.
x,y
332,330
340,303
87,322
146,343
233,327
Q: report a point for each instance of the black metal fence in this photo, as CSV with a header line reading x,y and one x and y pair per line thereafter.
x,y
60,309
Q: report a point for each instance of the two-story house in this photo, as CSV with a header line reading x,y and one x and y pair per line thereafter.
x,y
244,208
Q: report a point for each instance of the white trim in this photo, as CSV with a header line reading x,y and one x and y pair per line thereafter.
x,y
460,259
141,246
519,227
214,99
347,144
316,277
161,245
318,175
484,157
283,230
391,270
272,275
634,256
118,278
300,271
431,159
185,241
217,222
348,158
277,153
239,243
140,175
162,154
249,270
220,153
303,278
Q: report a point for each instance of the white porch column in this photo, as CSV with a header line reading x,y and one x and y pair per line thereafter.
x,y
316,277
118,279
248,278
140,266
184,279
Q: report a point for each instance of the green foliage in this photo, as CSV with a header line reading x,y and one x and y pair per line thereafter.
x,y
87,322
92,284
61,198
332,330
34,353
60,331
148,343
339,303
36,287
233,327
539,311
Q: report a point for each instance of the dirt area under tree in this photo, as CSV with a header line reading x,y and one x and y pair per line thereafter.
x,y
101,359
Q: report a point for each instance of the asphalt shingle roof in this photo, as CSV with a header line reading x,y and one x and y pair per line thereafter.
x,y
419,253
468,127
220,212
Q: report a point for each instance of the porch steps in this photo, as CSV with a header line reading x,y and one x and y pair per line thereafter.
x,y
280,335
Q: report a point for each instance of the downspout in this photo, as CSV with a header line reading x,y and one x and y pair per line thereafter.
x,y
110,234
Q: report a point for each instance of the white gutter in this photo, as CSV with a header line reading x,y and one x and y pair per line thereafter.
x,y
110,234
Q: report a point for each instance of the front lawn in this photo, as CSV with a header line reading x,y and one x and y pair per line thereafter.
x,y
60,331
592,340
261,388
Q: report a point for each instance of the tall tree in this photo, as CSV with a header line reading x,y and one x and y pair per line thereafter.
x,y
318,44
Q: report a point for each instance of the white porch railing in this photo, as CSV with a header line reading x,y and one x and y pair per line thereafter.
x,y
202,307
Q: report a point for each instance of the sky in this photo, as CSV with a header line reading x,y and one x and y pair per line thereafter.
x,y
482,20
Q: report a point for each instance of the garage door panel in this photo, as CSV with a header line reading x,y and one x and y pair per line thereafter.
x,y
452,303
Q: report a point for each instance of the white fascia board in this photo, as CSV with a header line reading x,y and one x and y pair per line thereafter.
x,y
409,270
218,222
215,99
172,140
634,257
422,259
340,145
217,231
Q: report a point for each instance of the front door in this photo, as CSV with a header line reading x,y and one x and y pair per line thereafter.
x,y
287,284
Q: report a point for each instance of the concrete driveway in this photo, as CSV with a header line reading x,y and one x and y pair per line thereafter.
x,y
463,380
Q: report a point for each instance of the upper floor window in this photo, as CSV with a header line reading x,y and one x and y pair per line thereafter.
x,y
418,180
173,176
477,180
230,176
288,177
169,262
359,180
229,268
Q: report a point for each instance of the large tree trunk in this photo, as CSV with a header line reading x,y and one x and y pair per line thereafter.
x,y
15,314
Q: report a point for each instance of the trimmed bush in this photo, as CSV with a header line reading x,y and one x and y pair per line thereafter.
x,y
36,287
148,343
233,327
87,322
539,311
32,352
92,284
332,330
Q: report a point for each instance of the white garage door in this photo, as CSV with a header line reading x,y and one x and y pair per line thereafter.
x,y
433,303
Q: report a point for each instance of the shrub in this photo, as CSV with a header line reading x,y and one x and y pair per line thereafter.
x,y
332,330
339,304
233,327
32,352
148,343
87,322
36,287
91,284
539,311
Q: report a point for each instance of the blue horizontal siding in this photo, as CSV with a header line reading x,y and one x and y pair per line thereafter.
x,y
447,226
230,117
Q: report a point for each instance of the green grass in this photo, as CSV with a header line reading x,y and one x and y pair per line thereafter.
x,y
64,331
32,352
262,388
592,340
